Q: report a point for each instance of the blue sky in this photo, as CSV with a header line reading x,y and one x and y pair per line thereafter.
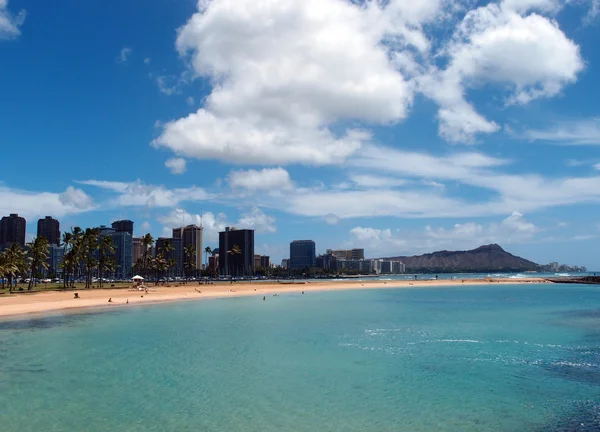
x,y
401,128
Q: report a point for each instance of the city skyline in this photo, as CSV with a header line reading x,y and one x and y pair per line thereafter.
x,y
191,235
419,135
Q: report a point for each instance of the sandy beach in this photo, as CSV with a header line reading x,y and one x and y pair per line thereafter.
x,y
61,301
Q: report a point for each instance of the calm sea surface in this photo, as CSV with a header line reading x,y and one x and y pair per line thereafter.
x,y
496,358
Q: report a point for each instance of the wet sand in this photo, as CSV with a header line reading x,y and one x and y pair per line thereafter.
x,y
60,301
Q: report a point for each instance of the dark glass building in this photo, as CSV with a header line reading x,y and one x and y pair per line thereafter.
x,y
190,235
12,230
241,264
175,254
49,228
123,226
302,254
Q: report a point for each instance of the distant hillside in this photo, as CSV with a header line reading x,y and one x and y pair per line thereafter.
x,y
490,258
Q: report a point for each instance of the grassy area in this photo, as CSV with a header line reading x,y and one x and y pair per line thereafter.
x,y
59,286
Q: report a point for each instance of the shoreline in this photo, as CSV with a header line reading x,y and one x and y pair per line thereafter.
x,y
39,304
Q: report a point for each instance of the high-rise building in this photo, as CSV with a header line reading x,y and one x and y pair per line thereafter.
x,y
55,256
327,262
302,254
349,254
49,228
138,249
262,261
123,226
236,264
123,255
12,230
190,235
173,253
382,266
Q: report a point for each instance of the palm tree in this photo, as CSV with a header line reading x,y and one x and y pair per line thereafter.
x,y
67,243
14,264
37,257
147,242
235,250
89,245
159,265
106,248
5,267
167,252
190,259
207,250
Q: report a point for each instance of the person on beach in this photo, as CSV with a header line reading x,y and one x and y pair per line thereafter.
x,y
265,298
127,301
110,300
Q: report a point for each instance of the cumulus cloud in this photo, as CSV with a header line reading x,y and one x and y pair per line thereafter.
x,y
257,220
285,78
282,74
139,193
10,25
265,179
500,44
75,198
176,165
213,223
32,204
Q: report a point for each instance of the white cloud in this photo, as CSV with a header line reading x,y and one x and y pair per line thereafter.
x,y
265,179
257,220
593,12
332,219
514,229
176,165
10,25
302,82
146,226
379,196
496,44
168,84
140,194
76,198
522,6
215,223
278,87
375,181
124,55
212,223
147,60
190,101
33,204
577,132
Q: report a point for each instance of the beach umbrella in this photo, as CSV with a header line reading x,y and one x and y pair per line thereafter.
x,y
137,278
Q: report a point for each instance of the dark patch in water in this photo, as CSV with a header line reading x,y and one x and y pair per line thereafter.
x,y
582,313
581,372
582,417
47,322
40,370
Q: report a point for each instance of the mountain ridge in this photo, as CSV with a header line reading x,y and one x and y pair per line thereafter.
x,y
486,258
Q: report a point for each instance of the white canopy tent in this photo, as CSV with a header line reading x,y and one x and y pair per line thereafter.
x,y
137,277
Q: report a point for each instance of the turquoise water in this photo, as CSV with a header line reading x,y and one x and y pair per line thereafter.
x,y
495,358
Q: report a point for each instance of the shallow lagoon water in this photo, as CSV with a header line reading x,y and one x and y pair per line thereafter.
x,y
483,358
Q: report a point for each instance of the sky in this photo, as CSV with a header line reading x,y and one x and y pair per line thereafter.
x,y
400,127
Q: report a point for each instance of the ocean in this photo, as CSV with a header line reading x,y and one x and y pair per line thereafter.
x,y
481,358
